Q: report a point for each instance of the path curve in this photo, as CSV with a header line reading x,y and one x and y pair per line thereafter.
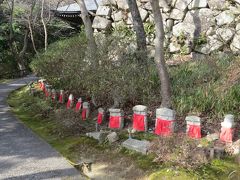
x,y
23,155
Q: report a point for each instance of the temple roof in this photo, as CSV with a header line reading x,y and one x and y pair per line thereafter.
x,y
74,7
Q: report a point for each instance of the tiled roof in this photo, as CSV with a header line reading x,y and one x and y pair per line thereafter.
x,y
90,4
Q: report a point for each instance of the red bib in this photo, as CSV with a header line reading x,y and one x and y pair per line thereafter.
x,y
138,122
114,122
163,127
194,131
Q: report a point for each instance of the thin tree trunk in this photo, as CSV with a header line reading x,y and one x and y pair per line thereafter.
x,y
44,27
159,56
88,26
138,25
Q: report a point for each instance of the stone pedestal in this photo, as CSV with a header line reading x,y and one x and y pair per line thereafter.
x,y
140,118
137,145
70,101
193,127
100,136
85,110
116,120
228,128
165,121
78,105
61,97
48,91
100,116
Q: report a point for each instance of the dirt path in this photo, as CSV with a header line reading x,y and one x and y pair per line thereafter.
x,y
23,155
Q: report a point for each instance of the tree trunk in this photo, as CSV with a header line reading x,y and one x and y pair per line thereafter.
x,y
159,56
88,26
138,25
44,27
30,18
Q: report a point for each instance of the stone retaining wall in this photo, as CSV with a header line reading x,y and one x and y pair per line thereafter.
x,y
199,26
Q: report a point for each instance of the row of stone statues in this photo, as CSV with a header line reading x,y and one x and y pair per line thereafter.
x,y
165,123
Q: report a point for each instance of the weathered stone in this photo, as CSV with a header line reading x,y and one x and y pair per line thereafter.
x,y
177,14
195,23
137,145
122,4
100,136
212,137
147,6
101,23
218,4
166,114
226,17
238,28
140,118
225,34
143,14
215,43
112,137
181,4
165,6
103,11
235,10
195,4
237,1
174,47
108,2
117,16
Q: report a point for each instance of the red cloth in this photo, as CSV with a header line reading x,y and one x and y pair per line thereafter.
x,y
69,104
138,122
114,122
227,134
43,87
100,118
46,93
78,106
163,127
84,114
61,98
194,131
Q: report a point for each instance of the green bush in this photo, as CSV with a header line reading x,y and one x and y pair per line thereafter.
x,y
66,65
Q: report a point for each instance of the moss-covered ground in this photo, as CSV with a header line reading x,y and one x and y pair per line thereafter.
x,y
30,109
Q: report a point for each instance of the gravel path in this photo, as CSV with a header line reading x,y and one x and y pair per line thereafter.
x,y
23,155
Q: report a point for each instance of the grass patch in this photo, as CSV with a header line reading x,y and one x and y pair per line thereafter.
x,y
29,109
4,81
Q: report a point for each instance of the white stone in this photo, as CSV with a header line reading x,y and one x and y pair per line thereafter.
x,y
117,16
218,4
174,47
147,6
100,136
195,23
235,45
215,43
225,34
103,11
143,14
238,28
226,17
137,145
194,120
237,1
140,109
108,2
166,114
195,4
181,4
101,23
122,4
228,121
177,14
112,137
164,5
